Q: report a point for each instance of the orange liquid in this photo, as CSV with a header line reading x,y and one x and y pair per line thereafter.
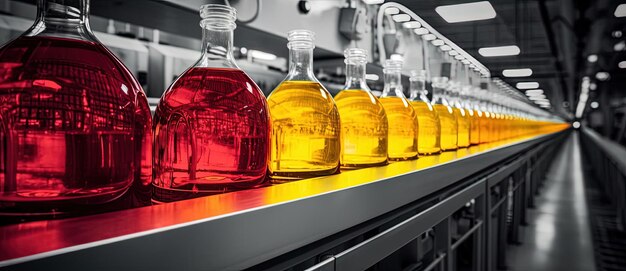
x,y
428,124
403,128
448,124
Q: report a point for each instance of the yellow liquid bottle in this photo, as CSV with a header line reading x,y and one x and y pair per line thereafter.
x,y
427,118
401,117
475,127
447,120
364,127
463,130
305,139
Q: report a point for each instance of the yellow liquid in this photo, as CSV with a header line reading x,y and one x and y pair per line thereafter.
x,y
463,130
475,127
485,128
402,128
448,124
363,129
305,138
428,124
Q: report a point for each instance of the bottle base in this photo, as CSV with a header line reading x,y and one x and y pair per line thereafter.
x,y
284,177
432,151
363,165
413,157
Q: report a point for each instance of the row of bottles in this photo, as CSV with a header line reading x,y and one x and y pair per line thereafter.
x,y
75,128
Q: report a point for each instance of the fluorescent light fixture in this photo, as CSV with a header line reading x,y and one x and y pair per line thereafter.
x,y
459,57
603,76
445,48
429,37
474,11
421,31
392,11
373,2
372,77
537,97
400,18
261,55
517,72
617,34
412,24
592,58
531,92
619,46
593,86
620,11
594,104
465,61
527,85
510,50
453,53
622,64
438,42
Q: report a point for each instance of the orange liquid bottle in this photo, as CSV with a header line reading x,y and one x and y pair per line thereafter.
x,y
427,117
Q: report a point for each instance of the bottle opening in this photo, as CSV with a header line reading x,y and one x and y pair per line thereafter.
x,y
393,65
300,39
355,56
218,17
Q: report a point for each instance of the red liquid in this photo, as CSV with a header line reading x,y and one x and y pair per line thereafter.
x,y
211,135
74,126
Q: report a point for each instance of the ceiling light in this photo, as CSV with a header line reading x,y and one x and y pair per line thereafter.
x,y
619,46
537,97
429,37
261,55
527,85
445,48
466,12
438,42
622,64
465,61
453,53
510,50
592,58
594,104
603,76
620,11
517,72
373,2
593,86
392,11
412,24
400,18
421,31
534,92
459,57
372,77
617,34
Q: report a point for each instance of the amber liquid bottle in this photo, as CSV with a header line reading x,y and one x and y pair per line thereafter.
x,y
461,115
447,120
75,129
427,117
364,128
403,127
306,130
212,124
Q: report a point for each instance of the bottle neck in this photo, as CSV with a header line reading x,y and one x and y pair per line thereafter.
x,y
417,89
217,48
440,85
62,18
301,64
393,84
355,76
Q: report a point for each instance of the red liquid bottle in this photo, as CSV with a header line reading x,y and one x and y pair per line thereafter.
x,y
74,122
212,125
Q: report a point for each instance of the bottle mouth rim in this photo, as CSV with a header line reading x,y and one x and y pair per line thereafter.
x,y
218,16
301,35
355,55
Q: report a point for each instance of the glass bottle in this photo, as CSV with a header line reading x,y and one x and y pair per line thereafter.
x,y
364,128
212,127
76,126
485,120
401,116
427,118
468,95
461,115
447,120
305,120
